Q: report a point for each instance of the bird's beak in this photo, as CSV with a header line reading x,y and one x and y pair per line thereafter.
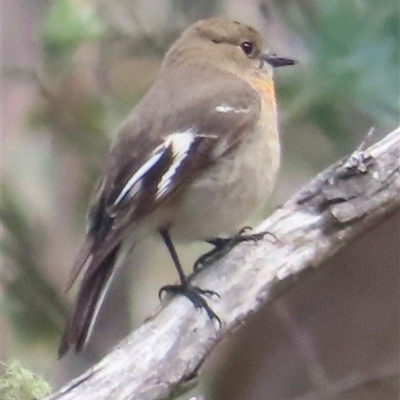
x,y
275,61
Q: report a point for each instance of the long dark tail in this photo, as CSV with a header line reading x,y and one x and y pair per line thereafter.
x,y
90,297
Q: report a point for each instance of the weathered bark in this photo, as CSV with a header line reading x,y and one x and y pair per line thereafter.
x,y
163,356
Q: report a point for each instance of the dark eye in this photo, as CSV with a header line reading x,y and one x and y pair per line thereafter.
x,y
247,47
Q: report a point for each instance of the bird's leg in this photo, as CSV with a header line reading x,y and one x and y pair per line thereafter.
x,y
185,288
223,246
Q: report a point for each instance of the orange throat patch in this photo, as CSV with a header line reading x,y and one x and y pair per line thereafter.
x,y
265,88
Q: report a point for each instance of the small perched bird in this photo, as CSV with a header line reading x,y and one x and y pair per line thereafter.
x,y
193,160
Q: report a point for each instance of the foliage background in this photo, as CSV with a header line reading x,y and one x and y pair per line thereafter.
x,y
71,71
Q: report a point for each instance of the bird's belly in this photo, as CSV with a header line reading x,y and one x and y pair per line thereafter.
x,y
222,199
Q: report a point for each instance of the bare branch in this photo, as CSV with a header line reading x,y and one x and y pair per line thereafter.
x,y
163,356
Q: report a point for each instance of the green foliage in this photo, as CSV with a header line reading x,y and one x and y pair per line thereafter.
x,y
352,71
357,49
66,26
18,383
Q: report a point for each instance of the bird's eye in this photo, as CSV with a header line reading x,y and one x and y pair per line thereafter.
x,y
247,48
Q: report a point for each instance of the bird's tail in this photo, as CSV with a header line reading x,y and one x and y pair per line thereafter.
x,y
91,294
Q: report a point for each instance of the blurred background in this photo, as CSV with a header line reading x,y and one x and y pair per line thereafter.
x,y
72,70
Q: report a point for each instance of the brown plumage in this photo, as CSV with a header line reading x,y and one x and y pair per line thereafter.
x,y
203,138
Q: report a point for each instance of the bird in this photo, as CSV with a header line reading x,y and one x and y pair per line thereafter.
x,y
194,159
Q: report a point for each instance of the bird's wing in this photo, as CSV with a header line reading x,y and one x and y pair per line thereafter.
x,y
180,128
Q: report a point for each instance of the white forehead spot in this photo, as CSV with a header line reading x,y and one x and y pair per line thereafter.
x,y
227,108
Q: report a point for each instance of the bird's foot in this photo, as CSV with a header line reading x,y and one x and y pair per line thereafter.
x,y
195,295
223,246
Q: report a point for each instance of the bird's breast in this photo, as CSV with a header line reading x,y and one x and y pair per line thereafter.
x,y
222,198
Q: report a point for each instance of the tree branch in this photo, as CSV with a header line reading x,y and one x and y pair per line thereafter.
x,y
162,357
